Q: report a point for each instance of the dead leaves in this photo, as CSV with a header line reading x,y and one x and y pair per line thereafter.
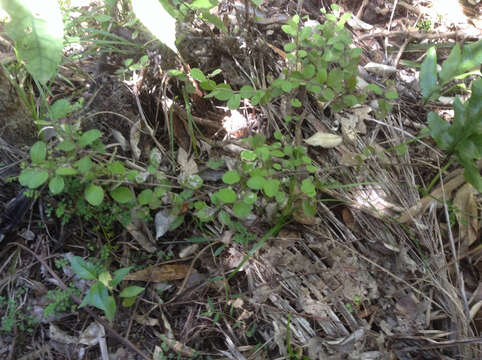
x,y
162,273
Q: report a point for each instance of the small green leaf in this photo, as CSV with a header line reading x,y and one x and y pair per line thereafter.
x,y
66,145
145,197
241,209
246,91
308,188
65,171
226,195
56,185
295,103
198,75
308,71
83,269
234,101
256,182
33,178
231,177
122,195
290,29
391,95
131,291
350,100
98,296
309,207
38,152
89,137
119,275
84,164
271,187
116,168
289,47
439,131
428,74
328,94
94,195
250,198
248,155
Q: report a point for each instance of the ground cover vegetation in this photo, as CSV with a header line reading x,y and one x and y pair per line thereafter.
x,y
169,169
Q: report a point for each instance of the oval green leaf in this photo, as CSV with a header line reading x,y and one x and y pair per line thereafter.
x,y
94,195
56,185
122,195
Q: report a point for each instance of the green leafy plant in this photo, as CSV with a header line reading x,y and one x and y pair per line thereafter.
x,y
462,138
103,284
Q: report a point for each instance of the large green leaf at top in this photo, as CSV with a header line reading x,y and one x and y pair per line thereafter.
x,y
37,30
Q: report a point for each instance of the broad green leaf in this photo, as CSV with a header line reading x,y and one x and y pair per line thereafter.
x,y
38,152
37,30
83,269
439,131
451,66
231,177
61,108
66,145
250,198
321,75
256,182
308,71
474,107
472,175
308,188
391,95
328,94
33,178
234,101
241,209
246,91
350,100
295,103
290,29
248,155
309,207
471,57
89,137
145,197
215,20
226,195
122,195
98,296
289,47
94,195
56,185
119,276
198,75
116,168
204,4
271,186
428,74
131,291
84,164
65,171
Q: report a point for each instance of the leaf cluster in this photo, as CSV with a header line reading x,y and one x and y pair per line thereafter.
x,y
463,137
99,294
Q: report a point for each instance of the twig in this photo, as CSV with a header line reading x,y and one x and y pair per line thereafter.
x,y
106,326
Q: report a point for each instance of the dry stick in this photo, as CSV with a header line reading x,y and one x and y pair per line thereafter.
x,y
114,333
404,45
459,275
360,10
390,26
